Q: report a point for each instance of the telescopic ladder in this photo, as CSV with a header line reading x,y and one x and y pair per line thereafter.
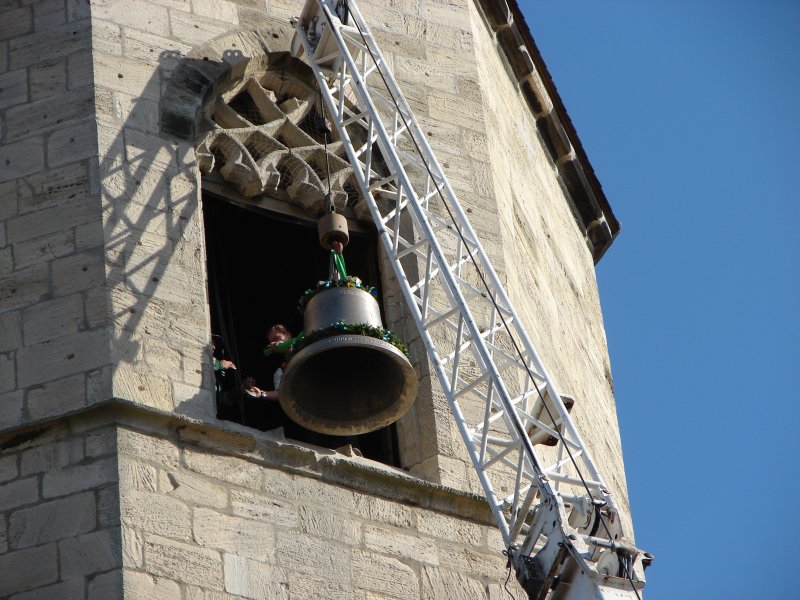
x,y
557,518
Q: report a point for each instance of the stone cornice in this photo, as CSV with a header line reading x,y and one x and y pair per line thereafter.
x,y
268,449
590,206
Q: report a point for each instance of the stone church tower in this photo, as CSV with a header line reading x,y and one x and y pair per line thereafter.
x,y
136,226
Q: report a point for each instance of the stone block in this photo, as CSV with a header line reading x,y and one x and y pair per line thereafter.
x,y
137,113
77,210
384,575
491,566
318,493
21,158
67,185
439,583
102,442
57,397
149,149
9,467
16,22
18,493
49,113
8,200
72,143
85,476
88,237
156,514
142,586
48,13
77,273
183,562
383,511
28,569
402,545
53,319
138,476
131,385
193,401
52,521
451,528
79,70
307,554
254,580
194,30
320,523
219,10
136,14
73,589
137,313
13,88
154,50
106,586
48,78
132,548
193,489
98,385
44,249
224,468
7,378
23,288
305,587
149,448
65,356
423,72
11,405
51,456
454,109
3,537
90,553
243,537
431,34
251,505
129,76
108,507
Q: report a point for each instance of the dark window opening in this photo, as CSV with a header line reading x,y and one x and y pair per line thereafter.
x,y
259,264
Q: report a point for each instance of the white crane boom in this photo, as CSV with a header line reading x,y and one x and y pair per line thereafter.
x,y
557,518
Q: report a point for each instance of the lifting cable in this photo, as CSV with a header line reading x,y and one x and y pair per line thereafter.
x,y
485,283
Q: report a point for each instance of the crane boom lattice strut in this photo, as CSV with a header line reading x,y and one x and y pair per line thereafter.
x,y
557,518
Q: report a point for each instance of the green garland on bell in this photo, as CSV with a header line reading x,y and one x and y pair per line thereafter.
x,y
342,328
351,282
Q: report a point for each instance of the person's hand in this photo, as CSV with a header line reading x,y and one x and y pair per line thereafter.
x,y
226,364
249,388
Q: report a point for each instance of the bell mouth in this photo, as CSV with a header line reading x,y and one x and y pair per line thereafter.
x,y
347,385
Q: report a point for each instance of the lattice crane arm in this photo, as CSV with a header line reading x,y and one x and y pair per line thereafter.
x,y
557,518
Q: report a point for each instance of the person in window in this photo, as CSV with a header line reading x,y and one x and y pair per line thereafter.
x,y
277,338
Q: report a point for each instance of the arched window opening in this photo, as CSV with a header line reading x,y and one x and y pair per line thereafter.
x,y
259,264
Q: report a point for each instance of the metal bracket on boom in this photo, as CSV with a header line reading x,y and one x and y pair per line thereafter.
x,y
554,511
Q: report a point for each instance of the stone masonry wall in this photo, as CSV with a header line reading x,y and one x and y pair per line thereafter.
x,y
120,502
54,340
59,513
555,293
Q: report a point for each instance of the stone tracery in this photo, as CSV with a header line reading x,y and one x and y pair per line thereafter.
x,y
265,135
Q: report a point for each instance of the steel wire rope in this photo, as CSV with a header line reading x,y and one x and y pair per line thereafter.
x,y
483,280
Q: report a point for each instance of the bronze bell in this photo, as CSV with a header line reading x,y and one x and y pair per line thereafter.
x,y
346,384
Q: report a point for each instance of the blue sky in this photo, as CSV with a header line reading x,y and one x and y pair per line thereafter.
x,y
690,114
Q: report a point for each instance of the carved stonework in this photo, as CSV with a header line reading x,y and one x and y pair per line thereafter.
x,y
267,136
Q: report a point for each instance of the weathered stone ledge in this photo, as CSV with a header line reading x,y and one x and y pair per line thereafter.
x,y
268,449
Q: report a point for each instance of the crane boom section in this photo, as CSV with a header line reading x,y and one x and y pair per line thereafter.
x,y
556,516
